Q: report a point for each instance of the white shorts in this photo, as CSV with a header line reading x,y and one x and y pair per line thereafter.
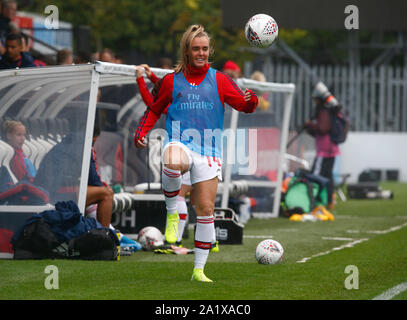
x,y
186,178
201,168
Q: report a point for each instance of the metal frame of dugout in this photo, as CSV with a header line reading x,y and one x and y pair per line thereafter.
x,y
64,83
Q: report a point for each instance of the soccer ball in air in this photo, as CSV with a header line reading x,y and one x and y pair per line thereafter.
x,y
269,252
261,30
150,238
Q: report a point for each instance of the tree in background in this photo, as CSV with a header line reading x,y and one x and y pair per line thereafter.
x,y
152,28
148,27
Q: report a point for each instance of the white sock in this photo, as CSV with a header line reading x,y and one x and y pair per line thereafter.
x,y
203,239
90,211
171,180
214,230
183,215
214,234
114,229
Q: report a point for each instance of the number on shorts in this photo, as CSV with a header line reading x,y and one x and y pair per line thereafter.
x,y
216,160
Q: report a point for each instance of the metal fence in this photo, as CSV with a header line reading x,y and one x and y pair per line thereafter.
x,y
374,99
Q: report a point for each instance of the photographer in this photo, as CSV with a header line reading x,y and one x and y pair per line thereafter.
x,y
319,127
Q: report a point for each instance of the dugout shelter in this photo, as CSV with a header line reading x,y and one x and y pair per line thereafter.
x,y
60,105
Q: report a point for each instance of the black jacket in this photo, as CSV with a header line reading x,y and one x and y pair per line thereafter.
x,y
26,61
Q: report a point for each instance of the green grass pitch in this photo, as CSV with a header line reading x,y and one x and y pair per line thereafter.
x,y
368,234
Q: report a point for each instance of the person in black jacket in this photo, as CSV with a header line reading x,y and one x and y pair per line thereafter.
x,y
15,57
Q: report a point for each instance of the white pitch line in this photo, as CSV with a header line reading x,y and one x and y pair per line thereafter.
x,y
337,238
353,231
391,293
347,245
395,228
388,230
353,243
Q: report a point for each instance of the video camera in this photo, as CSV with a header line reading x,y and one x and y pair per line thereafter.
x,y
322,92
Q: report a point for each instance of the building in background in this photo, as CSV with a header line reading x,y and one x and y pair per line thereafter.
x,y
46,41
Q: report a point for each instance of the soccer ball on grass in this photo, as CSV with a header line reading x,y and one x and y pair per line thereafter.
x,y
269,252
261,30
150,238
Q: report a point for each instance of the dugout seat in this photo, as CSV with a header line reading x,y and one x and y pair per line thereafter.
x,y
55,130
39,130
62,127
14,109
38,148
42,133
6,154
30,147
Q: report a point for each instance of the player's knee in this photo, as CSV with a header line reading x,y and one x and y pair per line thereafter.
x,y
173,166
176,159
108,194
111,194
205,209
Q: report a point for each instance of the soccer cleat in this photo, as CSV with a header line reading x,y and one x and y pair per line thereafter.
x,y
130,244
296,217
164,251
173,249
328,214
215,247
126,251
171,230
198,275
323,214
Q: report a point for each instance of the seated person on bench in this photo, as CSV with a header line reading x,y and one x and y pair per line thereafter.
x,y
100,194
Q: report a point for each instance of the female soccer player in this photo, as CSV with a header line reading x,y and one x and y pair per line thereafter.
x,y
182,208
186,187
196,94
21,166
